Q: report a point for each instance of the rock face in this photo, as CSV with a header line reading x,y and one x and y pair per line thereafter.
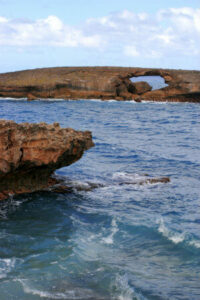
x,y
30,153
100,83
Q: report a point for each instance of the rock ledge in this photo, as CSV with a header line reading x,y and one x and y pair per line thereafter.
x,y
30,153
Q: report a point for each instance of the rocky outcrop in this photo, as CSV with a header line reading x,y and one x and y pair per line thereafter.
x,y
63,187
141,87
30,153
100,83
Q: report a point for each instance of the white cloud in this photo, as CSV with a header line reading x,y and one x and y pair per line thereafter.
x,y
3,20
54,23
131,51
172,32
43,32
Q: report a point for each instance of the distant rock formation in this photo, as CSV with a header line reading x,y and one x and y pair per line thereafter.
x,y
100,83
30,153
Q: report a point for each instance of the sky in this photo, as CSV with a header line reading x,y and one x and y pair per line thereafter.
x,y
134,33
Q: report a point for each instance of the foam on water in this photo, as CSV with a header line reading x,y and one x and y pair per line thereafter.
x,y
51,99
104,243
8,206
176,238
6,266
155,102
93,100
123,290
52,295
195,243
128,177
114,229
13,99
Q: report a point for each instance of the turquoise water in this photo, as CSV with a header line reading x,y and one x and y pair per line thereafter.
x,y
121,241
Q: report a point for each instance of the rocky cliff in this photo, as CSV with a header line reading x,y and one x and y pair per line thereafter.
x,y
30,153
101,83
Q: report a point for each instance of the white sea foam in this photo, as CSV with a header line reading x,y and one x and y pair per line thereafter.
x,y
195,244
132,179
67,294
8,206
114,229
9,98
176,238
78,184
128,177
124,290
156,102
50,99
6,265
93,100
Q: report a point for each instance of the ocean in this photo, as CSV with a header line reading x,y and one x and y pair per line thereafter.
x,y
119,241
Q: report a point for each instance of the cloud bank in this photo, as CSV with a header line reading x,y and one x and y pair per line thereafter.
x,y
169,32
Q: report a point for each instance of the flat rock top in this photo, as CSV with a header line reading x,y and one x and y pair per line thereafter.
x,y
51,76
40,144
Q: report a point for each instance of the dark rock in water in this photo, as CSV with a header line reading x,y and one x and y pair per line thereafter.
x,y
30,153
100,83
31,97
157,180
147,181
62,187
137,99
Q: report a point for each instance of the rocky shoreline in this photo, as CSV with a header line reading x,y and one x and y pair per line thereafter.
x,y
30,153
100,83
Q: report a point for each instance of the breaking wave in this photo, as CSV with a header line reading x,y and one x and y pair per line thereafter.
x,y
123,290
177,237
114,229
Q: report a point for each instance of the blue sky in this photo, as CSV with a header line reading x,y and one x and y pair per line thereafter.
x,y
44,33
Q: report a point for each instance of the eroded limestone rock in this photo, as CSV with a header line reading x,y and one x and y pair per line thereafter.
x,y
30,153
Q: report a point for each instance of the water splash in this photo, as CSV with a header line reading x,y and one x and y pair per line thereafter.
x,y
114,229
75,294
123,290
6,266
176,238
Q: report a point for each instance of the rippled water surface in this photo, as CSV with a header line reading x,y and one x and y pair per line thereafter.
x,y
121,241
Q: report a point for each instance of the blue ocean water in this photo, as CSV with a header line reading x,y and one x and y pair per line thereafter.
x,y
121,241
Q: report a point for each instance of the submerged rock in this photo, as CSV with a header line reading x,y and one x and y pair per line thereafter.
x,y
30,153
62,186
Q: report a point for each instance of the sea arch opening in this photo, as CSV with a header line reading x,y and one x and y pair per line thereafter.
x,y
155,81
